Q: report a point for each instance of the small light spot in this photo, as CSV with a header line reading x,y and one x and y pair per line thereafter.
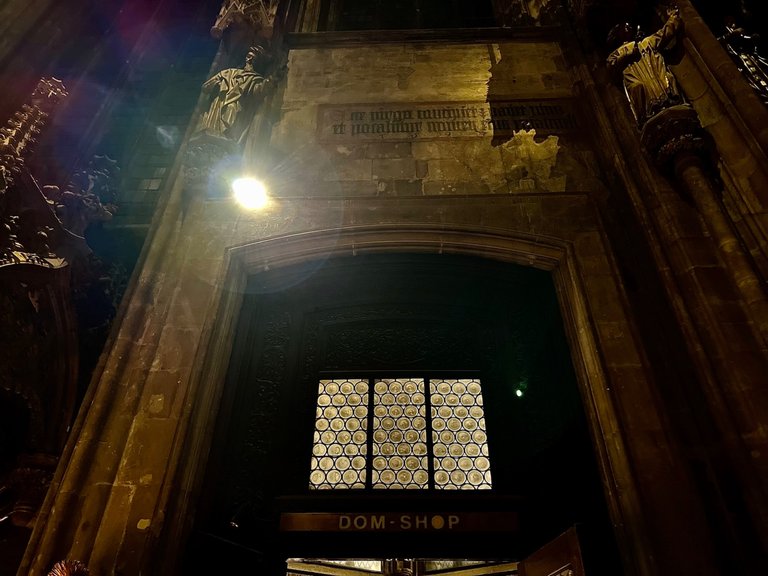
x,y
156,403
143,524
519,393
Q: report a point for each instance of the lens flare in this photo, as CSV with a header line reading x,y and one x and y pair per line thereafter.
x,y
250,193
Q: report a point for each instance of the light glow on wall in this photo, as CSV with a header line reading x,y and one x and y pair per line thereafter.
x,y
250,193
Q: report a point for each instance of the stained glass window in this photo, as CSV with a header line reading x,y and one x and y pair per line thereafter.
x,y
388,433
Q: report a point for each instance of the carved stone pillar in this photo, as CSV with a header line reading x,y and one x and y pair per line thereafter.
x,y
678,144
728,311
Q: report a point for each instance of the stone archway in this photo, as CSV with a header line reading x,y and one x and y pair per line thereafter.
x,y
549,254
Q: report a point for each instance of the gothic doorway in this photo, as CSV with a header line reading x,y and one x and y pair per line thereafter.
x,y
390,320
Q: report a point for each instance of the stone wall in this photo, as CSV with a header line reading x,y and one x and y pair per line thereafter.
x,y
395,120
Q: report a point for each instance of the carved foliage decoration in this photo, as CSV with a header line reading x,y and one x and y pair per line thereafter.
x,y
258,15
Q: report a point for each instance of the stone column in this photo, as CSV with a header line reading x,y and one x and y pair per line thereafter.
x,y
727,307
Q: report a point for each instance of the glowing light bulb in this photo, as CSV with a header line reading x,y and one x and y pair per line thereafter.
x,y
250,193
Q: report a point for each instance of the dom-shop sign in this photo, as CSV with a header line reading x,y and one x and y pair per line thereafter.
x,y
398,522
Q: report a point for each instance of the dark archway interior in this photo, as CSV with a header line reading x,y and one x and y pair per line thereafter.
x,y
412,314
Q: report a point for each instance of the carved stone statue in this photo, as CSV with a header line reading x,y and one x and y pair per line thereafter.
x,y
742,48
648,83
234,94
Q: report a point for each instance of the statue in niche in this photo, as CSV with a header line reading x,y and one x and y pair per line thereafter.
x,y
742,48
234,94
649,85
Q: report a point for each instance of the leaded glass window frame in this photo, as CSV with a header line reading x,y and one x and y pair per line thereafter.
x,y
418,431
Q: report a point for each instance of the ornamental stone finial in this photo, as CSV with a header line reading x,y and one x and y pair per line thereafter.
x,y
259,15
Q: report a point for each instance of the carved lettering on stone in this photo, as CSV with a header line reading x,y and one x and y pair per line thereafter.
x,y
409,121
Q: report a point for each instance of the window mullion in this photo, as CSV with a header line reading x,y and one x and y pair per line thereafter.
x,y
428,419
369,436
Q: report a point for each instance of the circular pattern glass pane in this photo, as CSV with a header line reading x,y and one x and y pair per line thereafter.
x,y
458,477
420,477
475,477
441,477
358,463
317,477
331,412
327,437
